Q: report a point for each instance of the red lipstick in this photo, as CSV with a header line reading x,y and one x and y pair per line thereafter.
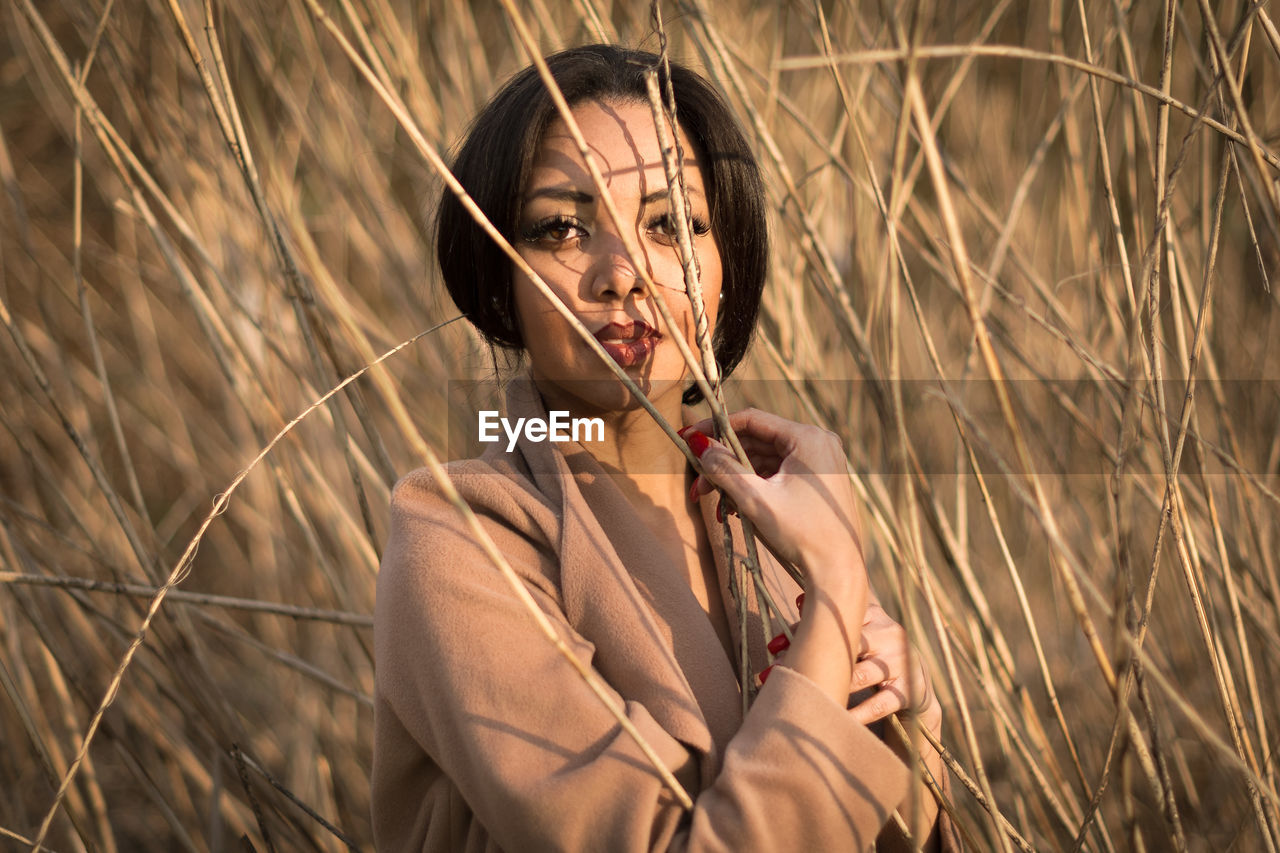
x,y
628,343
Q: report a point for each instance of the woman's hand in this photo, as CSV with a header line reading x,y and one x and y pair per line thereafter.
x,y
888,677
888,664
798,496
799,499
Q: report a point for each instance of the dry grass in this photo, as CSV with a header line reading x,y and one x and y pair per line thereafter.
x,y
1086,549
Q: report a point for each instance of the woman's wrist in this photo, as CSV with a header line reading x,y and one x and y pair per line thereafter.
x,y
826,642
838,573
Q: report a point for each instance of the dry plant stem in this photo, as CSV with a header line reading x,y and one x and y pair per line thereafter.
x,y
746,683
50,756
993,368
873,189
898,261
100,477
1240,114
21,839
293,662
314,333
1150,262
665,122
1273,817
1237,620
1171,512
1005,829
966,722
926,776
912,545
176,575
229,358
135,490
832,286
1111,374
243,773
1173,495
1087,584
247,761
1030,623
96,805
1068,819
337,617
898,266
108,396
181,837
925,52
55,55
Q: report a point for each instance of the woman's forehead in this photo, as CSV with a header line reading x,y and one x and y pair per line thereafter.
x,y
624,145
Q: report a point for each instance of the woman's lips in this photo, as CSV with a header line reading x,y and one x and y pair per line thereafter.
x,y
628,343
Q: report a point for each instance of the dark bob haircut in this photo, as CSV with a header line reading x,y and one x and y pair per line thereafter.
x,y
494,162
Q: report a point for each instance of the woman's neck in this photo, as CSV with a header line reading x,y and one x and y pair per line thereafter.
x,y
640,458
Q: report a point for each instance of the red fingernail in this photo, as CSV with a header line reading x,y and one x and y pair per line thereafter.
x,y
693,491
779,644
720,510
800,602
698,443
764,673
680,432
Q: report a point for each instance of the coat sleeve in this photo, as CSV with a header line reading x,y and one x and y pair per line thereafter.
x,y
539,760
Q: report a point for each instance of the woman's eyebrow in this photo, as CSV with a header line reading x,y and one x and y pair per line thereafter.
x,y
580,197
561,194
664,193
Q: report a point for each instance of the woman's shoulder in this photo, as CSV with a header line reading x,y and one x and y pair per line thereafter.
x,y
488,484
428,536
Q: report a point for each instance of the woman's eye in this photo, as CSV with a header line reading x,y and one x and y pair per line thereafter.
x,y
553,231
663,227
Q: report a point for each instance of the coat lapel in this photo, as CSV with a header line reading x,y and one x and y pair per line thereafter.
x,y
695,648
639,642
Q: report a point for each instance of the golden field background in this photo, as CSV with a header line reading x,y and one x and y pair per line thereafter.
x,y
212,215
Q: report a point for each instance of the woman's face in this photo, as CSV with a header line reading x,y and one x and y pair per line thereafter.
x,y
567,236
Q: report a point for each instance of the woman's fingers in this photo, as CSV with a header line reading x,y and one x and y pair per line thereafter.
x,y
871,671
764,427
798,495
885,701
764,458
721,469
885,663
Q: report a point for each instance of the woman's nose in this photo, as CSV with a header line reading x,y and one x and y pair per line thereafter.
x,y
613,274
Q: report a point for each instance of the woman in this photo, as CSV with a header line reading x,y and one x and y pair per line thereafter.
x,y
485,737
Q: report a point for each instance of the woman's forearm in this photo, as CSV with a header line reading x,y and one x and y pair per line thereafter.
x,y
826,642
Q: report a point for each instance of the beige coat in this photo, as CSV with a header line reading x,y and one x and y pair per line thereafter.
x,y
486,739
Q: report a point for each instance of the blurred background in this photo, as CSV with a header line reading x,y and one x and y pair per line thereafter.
x,y
1026,259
